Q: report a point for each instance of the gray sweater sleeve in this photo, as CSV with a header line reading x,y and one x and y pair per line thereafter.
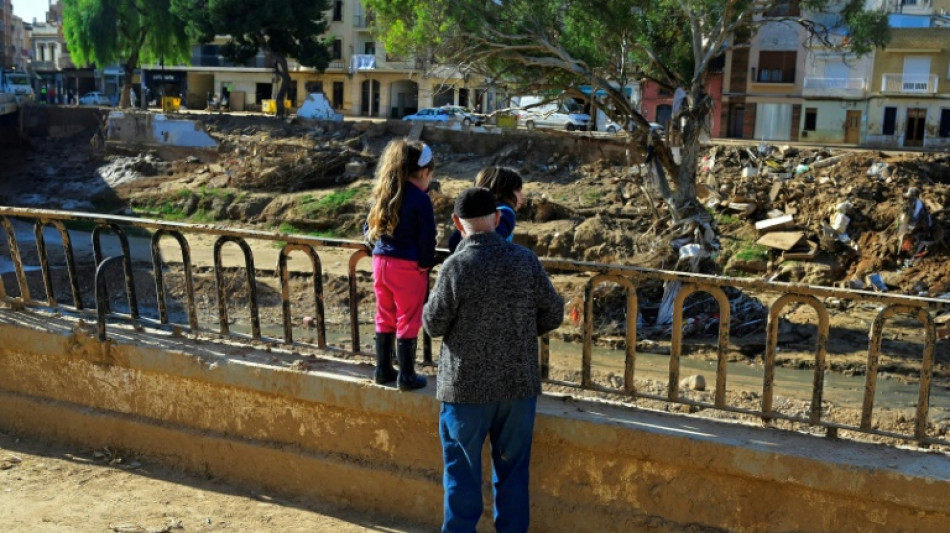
x,y
440,311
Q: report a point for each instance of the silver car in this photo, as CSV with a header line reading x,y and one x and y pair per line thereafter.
x,y
553,116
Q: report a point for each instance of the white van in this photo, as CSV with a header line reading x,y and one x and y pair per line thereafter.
x,y
534,114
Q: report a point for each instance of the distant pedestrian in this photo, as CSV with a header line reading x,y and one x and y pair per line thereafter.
x,y
401,223
505,183
490,303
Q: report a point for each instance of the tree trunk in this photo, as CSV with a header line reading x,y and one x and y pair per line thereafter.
x,y
128,69
280,66
686,173
695,120
125,99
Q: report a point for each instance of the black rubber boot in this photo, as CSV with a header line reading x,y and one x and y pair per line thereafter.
x,y
385,344
406,354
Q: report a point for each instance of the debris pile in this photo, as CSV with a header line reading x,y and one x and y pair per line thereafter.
x,y
859,219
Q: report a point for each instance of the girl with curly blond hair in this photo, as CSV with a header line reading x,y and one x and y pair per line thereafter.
x,y
401,224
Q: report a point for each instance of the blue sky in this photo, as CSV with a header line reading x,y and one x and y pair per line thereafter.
x,y
30,9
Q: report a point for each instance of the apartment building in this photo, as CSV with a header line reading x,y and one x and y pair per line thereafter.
x,y
909,100
775,77
19,45
361,80
365,80
6,34
835,89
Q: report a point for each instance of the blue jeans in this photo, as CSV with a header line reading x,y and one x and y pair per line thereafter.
x,y
463,428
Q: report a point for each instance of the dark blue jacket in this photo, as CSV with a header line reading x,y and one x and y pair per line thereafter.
x,y
414,236
505,227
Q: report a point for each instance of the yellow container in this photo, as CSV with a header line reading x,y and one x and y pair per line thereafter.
x,y
171,104
269,106
507,121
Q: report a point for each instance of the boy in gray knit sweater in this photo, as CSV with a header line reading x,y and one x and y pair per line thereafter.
x,y
491,301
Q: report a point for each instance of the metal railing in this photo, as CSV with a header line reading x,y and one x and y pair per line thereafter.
x,y
630,279
815,86
909,83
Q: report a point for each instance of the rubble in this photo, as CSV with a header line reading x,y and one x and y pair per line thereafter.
x,y
799,214
871,212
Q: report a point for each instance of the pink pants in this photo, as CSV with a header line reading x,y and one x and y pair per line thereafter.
x,y
400,289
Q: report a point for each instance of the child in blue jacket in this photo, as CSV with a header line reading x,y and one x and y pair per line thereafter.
x,y
505,183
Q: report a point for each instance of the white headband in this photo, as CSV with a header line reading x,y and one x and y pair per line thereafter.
x,y
426,156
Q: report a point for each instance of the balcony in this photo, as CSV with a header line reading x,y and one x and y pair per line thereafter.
x,y
402,63
833,87
336,64
363,21
909,83
362,62
44,65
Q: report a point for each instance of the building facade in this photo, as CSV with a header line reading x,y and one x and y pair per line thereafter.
x,y
909,100
6,35
361,79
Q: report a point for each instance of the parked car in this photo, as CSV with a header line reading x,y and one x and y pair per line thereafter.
x,y
462,115
553,116
429,114
95,98
612,127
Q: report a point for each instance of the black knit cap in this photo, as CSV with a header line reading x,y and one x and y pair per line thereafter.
x,y
475,202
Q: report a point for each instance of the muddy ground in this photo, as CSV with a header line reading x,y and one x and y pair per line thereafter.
x,y
293,176
301,177
58,488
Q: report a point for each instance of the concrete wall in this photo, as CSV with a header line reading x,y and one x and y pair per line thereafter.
x,y
582,148
142,128
60,121
329,433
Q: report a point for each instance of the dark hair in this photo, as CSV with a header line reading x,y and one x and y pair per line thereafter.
x,y
502,182
412,151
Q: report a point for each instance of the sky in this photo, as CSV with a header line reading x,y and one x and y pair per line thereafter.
x,y
30,9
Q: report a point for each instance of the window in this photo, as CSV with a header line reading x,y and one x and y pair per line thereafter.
x,y
777,67
338,95
314,86
337,10
369,48
789,8
337,49
890,121
811,118
945,122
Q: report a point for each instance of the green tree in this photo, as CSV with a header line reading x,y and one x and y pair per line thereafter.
x,y
281,29
566,47
129,32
